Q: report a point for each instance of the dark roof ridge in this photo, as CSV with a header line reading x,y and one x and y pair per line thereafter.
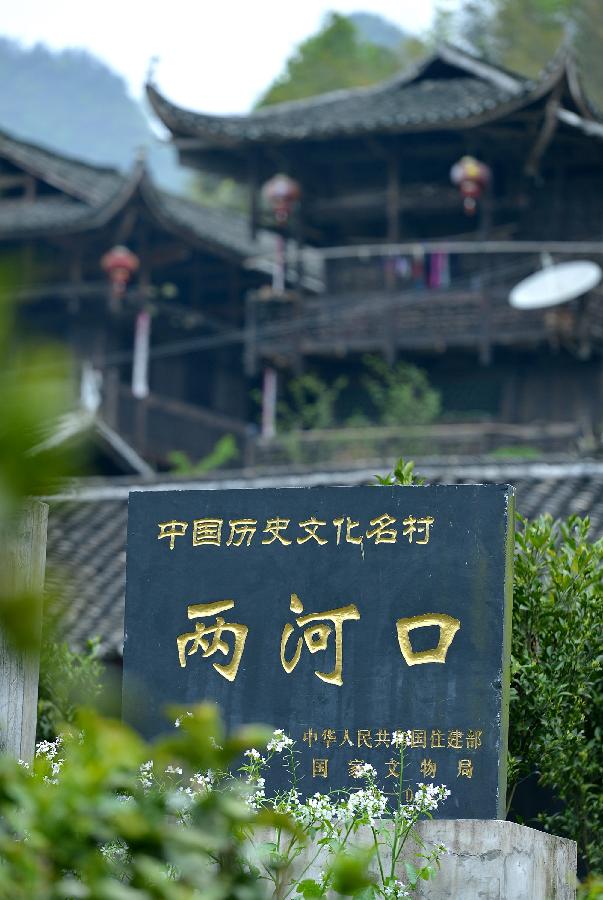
x,y
21,151
447,52
45,148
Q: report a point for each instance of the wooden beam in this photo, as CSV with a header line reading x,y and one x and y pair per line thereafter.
x,y
545,134
393,198
22,565
254,199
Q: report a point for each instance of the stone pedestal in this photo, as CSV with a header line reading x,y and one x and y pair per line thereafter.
x,y
488,860
495,860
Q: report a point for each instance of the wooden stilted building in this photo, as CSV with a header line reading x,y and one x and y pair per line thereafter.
x,y
406,271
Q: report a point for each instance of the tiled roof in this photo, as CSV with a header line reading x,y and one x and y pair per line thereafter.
x,y
87,527
91,196
92,184
391,107
448,89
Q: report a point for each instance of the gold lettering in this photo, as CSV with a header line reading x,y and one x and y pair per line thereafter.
x,y
448,628
199,637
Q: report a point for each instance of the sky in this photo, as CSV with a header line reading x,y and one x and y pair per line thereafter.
x,y
213,55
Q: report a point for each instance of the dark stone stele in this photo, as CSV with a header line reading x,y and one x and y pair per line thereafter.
x,y
459,566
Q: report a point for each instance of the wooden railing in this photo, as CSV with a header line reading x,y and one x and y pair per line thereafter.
x,y
157,425
429,296
352,445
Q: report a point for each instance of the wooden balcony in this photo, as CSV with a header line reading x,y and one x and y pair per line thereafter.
x,y
421,298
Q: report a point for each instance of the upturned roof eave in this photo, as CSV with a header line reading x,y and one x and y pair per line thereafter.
x,y
206,133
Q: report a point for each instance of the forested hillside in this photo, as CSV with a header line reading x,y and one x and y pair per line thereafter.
x,y
74,103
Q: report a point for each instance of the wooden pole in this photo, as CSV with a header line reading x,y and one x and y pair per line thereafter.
x,y
22,566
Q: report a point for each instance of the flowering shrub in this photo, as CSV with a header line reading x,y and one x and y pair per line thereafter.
x,y
327,824
307,835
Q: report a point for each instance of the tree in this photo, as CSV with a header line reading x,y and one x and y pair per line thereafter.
x,y
336,57
524,35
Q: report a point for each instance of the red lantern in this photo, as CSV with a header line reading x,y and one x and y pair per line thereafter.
x,y
471,177
120,264
282,193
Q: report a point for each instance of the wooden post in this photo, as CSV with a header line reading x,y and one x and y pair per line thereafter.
x,y
22,565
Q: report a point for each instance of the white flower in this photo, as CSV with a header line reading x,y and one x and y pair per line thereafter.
x,y
429,796
146,774
178,721
363,770
401,739
23,764
202,782
252,754
173,770
49,749
279,741
369,802
396,890
321,809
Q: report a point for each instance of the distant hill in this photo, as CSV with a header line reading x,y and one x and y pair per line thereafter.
x,y
377,30
72,102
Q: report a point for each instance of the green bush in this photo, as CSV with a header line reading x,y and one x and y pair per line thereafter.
x,y
400,394
67,681
556,719
88,823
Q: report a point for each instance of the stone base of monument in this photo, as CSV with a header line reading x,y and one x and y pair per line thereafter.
x,y
488,859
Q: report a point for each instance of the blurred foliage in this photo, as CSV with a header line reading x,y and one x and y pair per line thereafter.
x,y
524,35
216,192
68,680
309,402
400,394
336,57
386,395
224,451
34,396
99,832
556,721
591,889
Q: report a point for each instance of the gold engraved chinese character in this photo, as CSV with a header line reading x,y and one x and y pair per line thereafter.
x,y
393,768
171,530
382,738
241,530
381,530
207,531
448,628
465,769
364,737
317,636
418,738
310,526
346,739
437,739
320,768
310,737
353,767
428,768
455,739
329,736
350,539
474,739
273,529
420,526
409,795
199,637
